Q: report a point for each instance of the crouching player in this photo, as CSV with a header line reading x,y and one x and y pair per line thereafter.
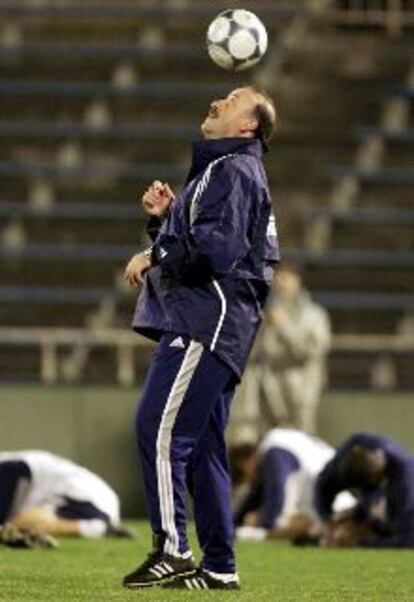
x,y
380,473
280,475
41,492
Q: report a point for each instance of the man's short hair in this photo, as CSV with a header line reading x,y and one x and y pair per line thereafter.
x,y
238,455
265,114
358,466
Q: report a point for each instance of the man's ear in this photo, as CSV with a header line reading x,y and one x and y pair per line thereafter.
x,y
378,459
249,126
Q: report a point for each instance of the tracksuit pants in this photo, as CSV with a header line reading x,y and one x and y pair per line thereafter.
x,y
180,427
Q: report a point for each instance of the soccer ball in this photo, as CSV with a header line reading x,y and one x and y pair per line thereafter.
x,y
236,39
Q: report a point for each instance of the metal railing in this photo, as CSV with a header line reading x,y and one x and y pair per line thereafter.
x,y
50,341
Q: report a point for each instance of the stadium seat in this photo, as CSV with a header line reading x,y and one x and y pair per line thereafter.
x,y
99,98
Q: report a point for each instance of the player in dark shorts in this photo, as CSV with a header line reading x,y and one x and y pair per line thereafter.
x,y
44,492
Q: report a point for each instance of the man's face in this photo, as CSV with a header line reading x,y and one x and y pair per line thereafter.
x,y
249,468
232,117
287,283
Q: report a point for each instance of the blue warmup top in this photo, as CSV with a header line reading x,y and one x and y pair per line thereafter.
x,y
214,254
397,489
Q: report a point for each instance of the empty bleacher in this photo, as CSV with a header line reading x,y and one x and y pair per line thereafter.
x,y
99,98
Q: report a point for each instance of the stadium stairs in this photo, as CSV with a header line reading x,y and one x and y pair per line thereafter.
x,y
99,98
357,235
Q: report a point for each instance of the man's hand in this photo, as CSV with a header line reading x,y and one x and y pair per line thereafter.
x,y
157,199
278,316
346,533
136,268
251,519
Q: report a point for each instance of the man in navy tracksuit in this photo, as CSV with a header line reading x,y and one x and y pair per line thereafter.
x,y
205,280
381,473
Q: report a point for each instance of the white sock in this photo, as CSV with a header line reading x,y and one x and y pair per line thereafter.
x,y
92,528
224,577
184,555
247,533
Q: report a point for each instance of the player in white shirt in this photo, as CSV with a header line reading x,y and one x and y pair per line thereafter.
x,y
42,491
279,476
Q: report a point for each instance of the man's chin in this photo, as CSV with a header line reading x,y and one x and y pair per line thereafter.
x,y
206,130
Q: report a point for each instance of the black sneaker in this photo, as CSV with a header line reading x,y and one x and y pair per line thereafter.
x,y
159,568
201,579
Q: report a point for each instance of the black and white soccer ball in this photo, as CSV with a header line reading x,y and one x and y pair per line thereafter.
x,y
236,39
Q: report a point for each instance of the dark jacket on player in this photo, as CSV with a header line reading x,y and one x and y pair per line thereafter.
x,y
396,493
214,253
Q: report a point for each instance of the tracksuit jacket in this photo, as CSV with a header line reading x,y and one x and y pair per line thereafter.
x,y
214,254
396,529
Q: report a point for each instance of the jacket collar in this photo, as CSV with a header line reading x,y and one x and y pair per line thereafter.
x,y
205,151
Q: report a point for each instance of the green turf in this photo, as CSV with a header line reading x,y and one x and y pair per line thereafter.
x,y
91,570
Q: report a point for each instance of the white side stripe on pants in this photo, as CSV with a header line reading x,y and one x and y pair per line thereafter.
x,y
169,415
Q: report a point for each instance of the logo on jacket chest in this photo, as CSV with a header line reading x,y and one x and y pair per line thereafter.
x,y
271,226
178,342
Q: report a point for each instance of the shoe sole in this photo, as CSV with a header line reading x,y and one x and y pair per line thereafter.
x,y
185,588
149,584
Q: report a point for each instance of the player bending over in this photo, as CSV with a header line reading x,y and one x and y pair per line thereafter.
x,y
279,478
43,492
205,281
381,475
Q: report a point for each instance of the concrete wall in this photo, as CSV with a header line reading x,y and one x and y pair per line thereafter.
x,y
347,412
94,426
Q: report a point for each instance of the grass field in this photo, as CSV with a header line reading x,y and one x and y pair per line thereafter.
x,y
91,570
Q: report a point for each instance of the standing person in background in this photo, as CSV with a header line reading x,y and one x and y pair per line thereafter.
x,y
285,380
205,281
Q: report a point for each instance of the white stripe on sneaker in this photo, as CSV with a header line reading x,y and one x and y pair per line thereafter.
x,y
161,569
168,567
